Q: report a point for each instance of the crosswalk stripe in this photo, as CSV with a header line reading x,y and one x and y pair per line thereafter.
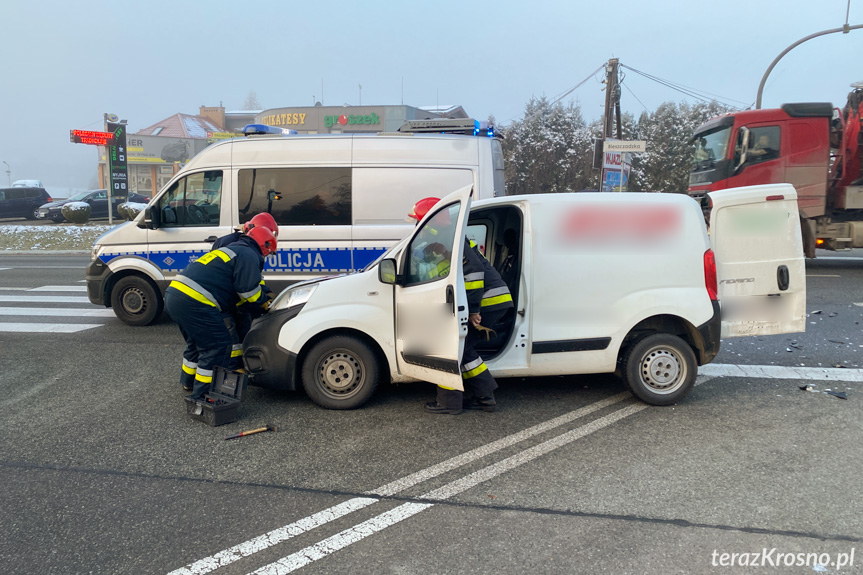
x,y
60,288
46,327
43,299
57,311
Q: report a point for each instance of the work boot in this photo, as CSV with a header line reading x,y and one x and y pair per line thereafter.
x,y
435,407
485,403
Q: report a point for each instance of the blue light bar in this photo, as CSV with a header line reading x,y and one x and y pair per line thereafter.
x,y
260,129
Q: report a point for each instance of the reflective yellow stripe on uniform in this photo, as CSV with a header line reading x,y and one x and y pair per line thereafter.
x,y
191,293
210,256
204,375
475,371
496,300
237,350
250,296
189,368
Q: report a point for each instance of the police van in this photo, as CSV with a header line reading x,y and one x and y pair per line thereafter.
x,y
340,201
602,283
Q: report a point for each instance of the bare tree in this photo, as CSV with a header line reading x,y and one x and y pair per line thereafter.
x,y
252,102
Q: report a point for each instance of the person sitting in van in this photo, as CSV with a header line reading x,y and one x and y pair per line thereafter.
x,y
488,300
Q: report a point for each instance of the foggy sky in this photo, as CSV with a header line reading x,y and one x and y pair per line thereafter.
x,y
64,64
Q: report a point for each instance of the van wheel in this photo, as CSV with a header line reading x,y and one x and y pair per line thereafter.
x,y
660,369
340,372
135,301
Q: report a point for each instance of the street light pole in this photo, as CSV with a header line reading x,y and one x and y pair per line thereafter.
x,y
844,29
8,173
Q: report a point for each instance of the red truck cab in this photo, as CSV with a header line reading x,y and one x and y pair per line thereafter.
x,y
790,144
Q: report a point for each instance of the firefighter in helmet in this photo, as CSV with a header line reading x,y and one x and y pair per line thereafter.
x,y
211,286
488,300
239,321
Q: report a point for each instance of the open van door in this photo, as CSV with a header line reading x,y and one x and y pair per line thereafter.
x,y
760,268
430,299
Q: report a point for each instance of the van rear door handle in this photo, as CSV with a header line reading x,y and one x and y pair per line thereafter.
x,y
783,277
450,298
211,239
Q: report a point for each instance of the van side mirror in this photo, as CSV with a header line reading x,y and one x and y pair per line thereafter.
x,y
387,271
151,218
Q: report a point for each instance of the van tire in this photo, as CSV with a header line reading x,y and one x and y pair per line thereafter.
x,y
340,372
660,369
136,301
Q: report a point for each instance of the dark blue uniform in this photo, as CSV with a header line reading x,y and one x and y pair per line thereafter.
x,y
487,295
238,321
222,280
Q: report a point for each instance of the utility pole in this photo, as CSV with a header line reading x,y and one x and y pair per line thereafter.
x,y
8,173
612,102
612,99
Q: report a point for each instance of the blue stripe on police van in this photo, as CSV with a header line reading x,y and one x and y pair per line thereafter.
x,y
310,260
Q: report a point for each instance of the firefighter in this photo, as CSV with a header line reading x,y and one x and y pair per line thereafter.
x,y
213,284
240,321
488,300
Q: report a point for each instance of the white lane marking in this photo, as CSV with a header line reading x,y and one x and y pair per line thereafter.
x,y
44,299
3,269
471,456
14,289
782,372
341,540
61,288
210,563
57,311
46,327
359,532
351,535
823,276
531,453
274,537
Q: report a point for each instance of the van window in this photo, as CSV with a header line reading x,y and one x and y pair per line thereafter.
x,y
297,196
34,193
430,251
192,201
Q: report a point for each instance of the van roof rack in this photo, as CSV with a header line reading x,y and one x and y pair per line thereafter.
x,y
466,126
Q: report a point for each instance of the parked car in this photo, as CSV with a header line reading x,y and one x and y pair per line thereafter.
x,y
98,200
20,202
28,184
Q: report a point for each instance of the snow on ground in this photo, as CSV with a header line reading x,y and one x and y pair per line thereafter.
x,y
54,237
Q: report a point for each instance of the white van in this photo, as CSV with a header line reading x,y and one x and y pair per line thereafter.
x,y
627,283
340,201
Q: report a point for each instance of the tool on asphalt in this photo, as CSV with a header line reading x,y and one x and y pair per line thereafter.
x,y
269,427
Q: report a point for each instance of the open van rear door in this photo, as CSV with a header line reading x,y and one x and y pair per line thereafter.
x,y
430,300
760,268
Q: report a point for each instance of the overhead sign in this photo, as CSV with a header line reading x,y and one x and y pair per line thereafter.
x,y
624,146
88,137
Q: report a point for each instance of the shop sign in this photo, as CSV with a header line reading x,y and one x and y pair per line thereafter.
x,y
117,160
284,120
344,120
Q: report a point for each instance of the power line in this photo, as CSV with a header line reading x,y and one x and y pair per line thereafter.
x,y
704,96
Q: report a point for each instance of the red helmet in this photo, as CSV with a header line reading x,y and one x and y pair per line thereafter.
x,y
264,238
263,219
422,207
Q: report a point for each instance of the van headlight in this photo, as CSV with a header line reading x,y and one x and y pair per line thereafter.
x,y
94,253
293,297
